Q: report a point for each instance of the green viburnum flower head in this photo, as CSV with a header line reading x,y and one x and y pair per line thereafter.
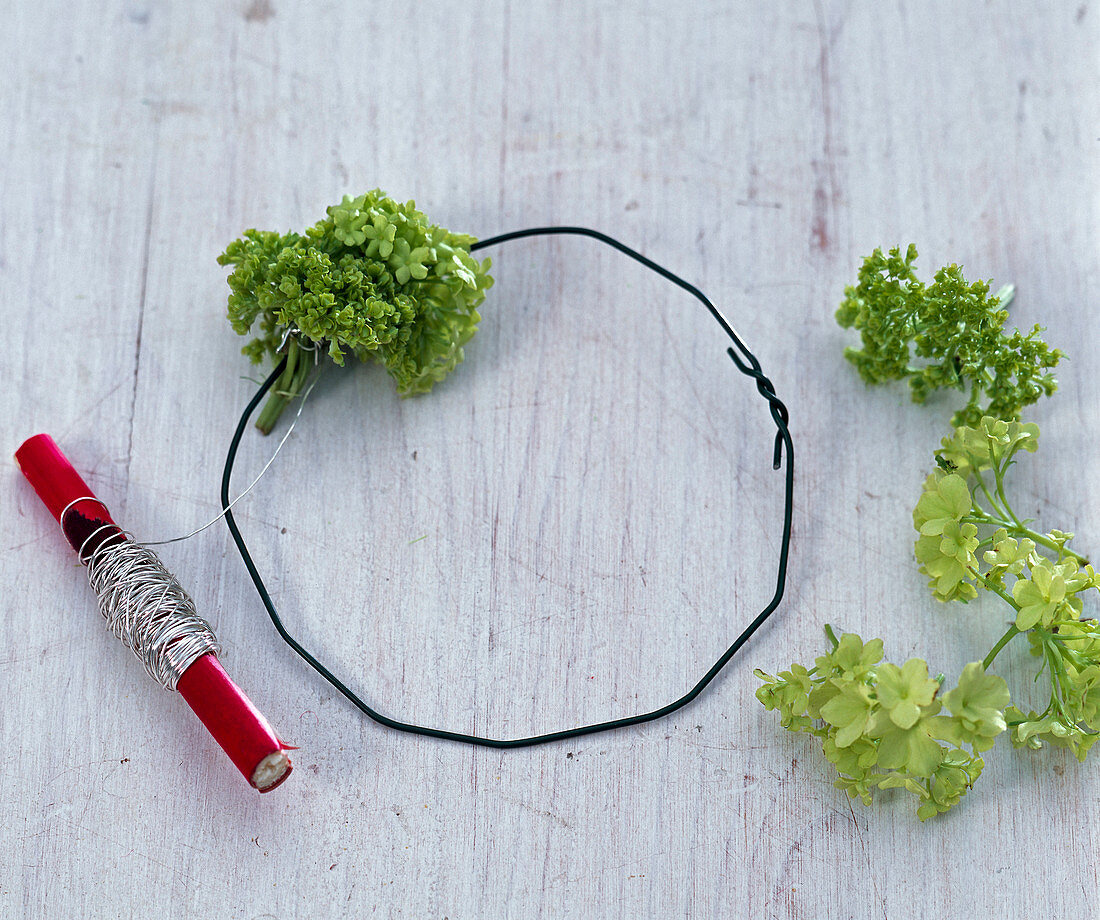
x,y
946,499
978,701
849,711
989,442
1009,556
1049,593
950,781
374,278
947,560
885,727
852,658
903,692
912,748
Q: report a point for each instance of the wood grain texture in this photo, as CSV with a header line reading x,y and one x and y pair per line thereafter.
x,y
593,486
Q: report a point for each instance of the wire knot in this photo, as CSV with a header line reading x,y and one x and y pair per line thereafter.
x,y
766,389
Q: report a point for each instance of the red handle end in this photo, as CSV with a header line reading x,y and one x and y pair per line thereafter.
x,y
236,724
50,473
60,486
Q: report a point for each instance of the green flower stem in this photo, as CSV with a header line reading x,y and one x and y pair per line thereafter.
x,y
996,589
981,516
271,411
999,475
1044,540
1058,677
289,385
1011,633
992,501
980,383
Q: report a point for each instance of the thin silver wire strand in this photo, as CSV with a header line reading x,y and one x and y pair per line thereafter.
x,y
259,476
76,501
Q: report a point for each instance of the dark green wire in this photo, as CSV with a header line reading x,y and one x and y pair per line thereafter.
x,y
745,361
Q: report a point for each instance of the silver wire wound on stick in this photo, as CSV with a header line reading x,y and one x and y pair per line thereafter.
x,y
144,605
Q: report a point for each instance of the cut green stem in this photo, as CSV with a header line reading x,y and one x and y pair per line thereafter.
x,y
1011,633
286,388
981,516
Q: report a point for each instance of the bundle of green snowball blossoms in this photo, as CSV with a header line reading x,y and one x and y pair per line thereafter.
x,y
374,278
888,726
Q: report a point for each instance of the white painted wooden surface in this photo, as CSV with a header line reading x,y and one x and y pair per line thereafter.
x,y
593,487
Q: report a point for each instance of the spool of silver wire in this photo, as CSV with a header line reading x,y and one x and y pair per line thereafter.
x,y
144,605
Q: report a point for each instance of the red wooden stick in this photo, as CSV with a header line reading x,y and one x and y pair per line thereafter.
x,y
237,725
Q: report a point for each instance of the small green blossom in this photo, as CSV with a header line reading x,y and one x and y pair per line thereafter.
x,y
1009,556
946,560
958,542
852,659
978,702
912,748
788,694
949,782
849,712
1051,589
381,234
903,692
855,765
1059,539
945,500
